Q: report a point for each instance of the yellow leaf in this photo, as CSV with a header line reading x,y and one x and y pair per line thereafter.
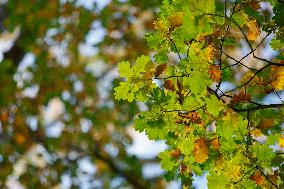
x,y
200,150
234,171
176,20
281,142
278,78
253,30
256,133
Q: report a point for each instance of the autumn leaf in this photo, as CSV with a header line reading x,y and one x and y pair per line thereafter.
x,y
159,70
200,150
240,97
215,143
234,171
266,123
256,133
168,84
176,20
254,4
258,178
253,30
193,117
278,78
215,73
175,153
161,25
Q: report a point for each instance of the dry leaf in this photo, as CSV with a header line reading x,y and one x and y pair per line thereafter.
x,y
266,123
258,178
193,117
254,4
175,153
168,84
253,30
200,151
160,68
215,143
240,97
176,20
215,73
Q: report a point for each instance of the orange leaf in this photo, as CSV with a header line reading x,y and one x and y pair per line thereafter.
x,y
258,178
215,143
215,73
175,153
168,84
200,150
253,30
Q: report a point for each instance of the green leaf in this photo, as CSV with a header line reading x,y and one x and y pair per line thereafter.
x,y
186,145
124,69
167,163
277,44
214,106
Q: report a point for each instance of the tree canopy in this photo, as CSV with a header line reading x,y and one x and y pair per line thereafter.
x,y
206,77
208,86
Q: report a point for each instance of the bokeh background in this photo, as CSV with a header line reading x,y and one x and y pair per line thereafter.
x,y
60,126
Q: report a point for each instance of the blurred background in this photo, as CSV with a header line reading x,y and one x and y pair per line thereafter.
x,y
60,126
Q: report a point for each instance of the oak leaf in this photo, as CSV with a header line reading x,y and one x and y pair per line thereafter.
x,y
278,78
254,4
160,68
266,123
258,178
200,150
256,133
215,143
253,30
240,97
176,20
215,73
175,153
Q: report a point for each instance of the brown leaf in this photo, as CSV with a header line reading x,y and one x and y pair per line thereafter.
x,y
200,150
175,153
254,4
266,123
160,68
215,73
240,97
258,178
193,117
176,20
168,84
